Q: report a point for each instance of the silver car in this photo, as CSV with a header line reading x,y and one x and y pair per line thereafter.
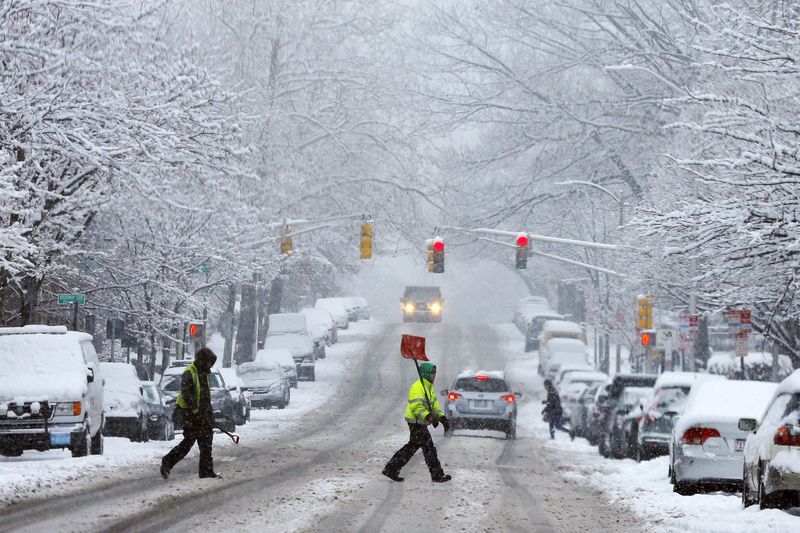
x,y
267,383
482,400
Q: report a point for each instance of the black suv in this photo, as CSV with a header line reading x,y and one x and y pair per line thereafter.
x,y
422,304
614,409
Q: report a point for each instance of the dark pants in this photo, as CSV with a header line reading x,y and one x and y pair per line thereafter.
x,y
204,438
420,437
555,423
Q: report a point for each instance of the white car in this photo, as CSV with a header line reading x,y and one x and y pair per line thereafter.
x,y
360,305
529,307
125,406
336,308
294,324
572,385
706,447
561,329
48,372
301,347
321,318
557,352
282,357
239,396
772,450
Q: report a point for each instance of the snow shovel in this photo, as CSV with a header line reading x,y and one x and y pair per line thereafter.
x,y
234,437
412,347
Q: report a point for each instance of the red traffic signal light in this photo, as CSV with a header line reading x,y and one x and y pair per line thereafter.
x,y
438,245
194,329
522,240
647,338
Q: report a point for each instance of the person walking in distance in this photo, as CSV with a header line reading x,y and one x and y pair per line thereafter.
x,y
552,410
422,409
194,406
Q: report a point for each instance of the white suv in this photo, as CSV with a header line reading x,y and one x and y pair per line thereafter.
x,y
51,391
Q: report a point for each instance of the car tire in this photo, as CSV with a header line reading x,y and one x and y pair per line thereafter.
x,y
97,443
747,498
11,452
312,375
81,448
640,454
511,432
684,488
601,446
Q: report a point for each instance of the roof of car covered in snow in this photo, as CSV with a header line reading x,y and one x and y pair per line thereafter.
x,y
562,325
682,379
469,373
790,385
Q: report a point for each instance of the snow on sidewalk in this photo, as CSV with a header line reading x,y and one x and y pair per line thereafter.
x,y
56,471
643,487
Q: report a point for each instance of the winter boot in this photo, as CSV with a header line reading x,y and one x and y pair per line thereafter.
x,y
392,475
442,479
164,470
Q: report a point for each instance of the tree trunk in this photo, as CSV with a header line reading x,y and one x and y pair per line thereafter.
x,y
246,331
29,303
230,318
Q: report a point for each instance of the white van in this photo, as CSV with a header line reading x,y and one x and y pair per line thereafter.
x,y
561,329
51,391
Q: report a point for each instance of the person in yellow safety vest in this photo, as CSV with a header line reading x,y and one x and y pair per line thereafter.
x,y
194,406
422,409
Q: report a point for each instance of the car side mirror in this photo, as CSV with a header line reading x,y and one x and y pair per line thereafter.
x,y
444,392
748,424
89,375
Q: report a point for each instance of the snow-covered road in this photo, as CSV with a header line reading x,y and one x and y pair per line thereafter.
x,y
316,465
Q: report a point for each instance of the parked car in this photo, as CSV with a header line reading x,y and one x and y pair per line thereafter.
x,y
772,450
267,384
654,428
296,324
336,308
221,401
350,306
482,400
239,396
706,448
581,413
569,399
281,357
422,304
571,385
561,329
588,377
160,409
527,308
301,346
561,351
535,323
634,400
610,424
322,318
51,391
125,408
598,415
361,306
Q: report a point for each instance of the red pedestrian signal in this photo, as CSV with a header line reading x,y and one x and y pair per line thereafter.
x,y
194,329
647,338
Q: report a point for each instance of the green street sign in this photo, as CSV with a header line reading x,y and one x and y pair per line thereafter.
x,y
65,299
205,269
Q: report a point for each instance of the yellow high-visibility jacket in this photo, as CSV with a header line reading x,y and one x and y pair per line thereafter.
x,y
420,396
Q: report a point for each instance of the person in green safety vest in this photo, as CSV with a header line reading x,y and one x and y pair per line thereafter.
x,y
194,405
422,409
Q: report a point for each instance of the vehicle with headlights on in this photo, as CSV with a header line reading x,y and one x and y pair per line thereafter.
x,y
422,304
482,400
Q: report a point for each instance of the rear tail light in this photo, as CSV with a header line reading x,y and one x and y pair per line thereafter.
x,y
453,396
698,436
787,435
508,397
481,378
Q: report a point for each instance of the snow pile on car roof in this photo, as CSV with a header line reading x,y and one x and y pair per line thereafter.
x,y
287,323
41,366
562,325
121,395
566,345
495,374
791,384
725,402
281,356
683,379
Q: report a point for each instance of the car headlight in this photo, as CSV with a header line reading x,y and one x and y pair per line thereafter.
x,y
436,308
154,418
68,408
409,307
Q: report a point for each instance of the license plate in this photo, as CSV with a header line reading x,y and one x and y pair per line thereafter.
x,y
59,439
480,404
739,446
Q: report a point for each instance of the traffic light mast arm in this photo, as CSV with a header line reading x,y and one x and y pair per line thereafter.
x,y
578,263
262,242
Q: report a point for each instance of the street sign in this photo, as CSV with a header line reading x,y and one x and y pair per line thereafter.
x,y
66,299
741,345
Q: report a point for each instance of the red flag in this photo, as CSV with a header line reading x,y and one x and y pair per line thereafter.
x,y
412,347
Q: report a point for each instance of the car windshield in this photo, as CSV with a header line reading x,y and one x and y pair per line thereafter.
x,y
422,293
150,394
258,373
636,395
481,385
671,399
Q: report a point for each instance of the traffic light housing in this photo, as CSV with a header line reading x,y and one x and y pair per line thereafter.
x,y
644,312
435,255
366,240
197,334
522,251
648,338
286,241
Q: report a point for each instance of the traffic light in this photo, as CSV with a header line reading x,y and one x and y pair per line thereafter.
x,y
366,240
648,338
197,334
286,241
435,255
522,251
644,312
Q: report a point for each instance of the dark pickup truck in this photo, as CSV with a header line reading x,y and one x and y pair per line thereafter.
x,y
422,304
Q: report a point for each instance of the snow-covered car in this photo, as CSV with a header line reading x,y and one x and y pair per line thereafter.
x,y
160,409
51,391
336,308
654,428
221,402
598,415
301,346
322,318
581,415
360,305
628,442
267,384
125,408
527,308
422,303
706,448
561,351
281,357
535,324
296,324
772,450
627,407
482,400
608,431
561,329
563,370
239,397
350,305
572,384
569,398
